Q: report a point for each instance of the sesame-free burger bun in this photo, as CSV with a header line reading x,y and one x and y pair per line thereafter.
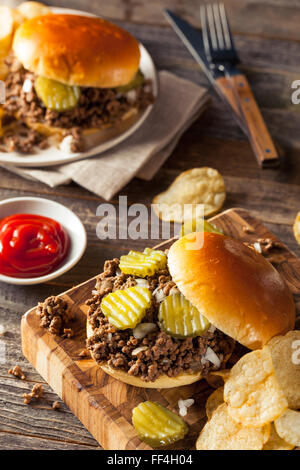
x,y
77,50
235,287
163,381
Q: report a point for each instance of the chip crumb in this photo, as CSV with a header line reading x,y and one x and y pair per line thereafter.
x,y
248,229
56,405
36,392
84,353
17,372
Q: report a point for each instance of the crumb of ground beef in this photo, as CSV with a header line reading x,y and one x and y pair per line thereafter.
x,y
161,354
267,244
270,249
68,333
20,138
36,393
56,405
17,372
55,315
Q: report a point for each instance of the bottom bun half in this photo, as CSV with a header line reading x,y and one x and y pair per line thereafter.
x,y
91,136
162,381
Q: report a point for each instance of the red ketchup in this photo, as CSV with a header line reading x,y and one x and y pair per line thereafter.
x,y
31,245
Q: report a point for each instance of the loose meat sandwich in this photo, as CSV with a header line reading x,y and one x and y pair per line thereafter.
x,y
70,76
162,320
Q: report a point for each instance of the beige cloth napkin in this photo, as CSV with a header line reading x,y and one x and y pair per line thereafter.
x,y
180,102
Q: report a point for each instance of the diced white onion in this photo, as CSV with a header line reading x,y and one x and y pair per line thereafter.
x,y
141,282
66,144
131,96
183,405
211,329
165,361
136,351
27,85
174,290
158,295
118,272
212,357
109,336
143,329
257,247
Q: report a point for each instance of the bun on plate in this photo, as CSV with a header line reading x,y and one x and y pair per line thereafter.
x,y
81,78
77,50
236,288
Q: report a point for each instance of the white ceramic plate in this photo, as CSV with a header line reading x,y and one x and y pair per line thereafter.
x,y
58,212
110,138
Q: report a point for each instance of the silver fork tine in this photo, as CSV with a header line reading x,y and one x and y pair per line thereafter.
x,y
225,26
205,34
218,25
211,26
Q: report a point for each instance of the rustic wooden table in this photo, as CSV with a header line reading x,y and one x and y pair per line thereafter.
x,y
267,37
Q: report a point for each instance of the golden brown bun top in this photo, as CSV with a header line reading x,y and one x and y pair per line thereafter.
x,y
237,289
77,50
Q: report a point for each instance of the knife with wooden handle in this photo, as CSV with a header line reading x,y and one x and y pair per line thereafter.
x,y
234,89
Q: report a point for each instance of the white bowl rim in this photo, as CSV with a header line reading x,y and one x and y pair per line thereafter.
x,y
66,266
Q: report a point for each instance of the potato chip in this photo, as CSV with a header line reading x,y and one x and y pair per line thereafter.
x,y
275,442
285,352
217,378
4,70
252,391
190,189
224,373
214,400
6,30
17,17
296,228
222,432
288,427
32,9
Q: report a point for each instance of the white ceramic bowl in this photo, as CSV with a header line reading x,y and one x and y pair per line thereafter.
x,y
58,212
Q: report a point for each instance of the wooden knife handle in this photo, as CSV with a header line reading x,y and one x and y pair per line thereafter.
x,y
225,86
259,136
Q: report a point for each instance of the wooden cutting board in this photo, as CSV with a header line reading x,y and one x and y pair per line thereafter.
x,y
103,404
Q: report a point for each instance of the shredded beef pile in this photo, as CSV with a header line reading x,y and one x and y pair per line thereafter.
x,y
55,316
164,354
97,108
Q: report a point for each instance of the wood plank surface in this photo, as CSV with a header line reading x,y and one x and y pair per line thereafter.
x,y
103,404
267,37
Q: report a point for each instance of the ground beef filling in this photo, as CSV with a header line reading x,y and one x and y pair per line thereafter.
x,y
97,108
164,354
56,316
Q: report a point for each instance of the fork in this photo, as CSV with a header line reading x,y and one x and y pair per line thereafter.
x,y
221,54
